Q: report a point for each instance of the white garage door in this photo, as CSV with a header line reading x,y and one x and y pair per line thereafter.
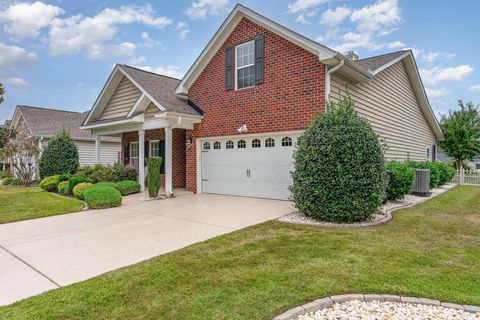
x,y
249,166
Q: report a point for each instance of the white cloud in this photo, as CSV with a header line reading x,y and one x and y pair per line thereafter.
x,y
431,57
301,19
333,17
90,34
148,42
16,81
168,70
380,16
203,8
437,74
475,87
436,92
395,45
24,20
183,29
100,51
304,5
11,59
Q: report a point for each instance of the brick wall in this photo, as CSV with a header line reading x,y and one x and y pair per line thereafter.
x,y
292,92
178,152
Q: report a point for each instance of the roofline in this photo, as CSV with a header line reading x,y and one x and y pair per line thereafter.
x,y
323,51
49,136
391,63
151,72
51,109
14,122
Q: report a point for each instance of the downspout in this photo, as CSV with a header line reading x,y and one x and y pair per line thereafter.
x,y
327,79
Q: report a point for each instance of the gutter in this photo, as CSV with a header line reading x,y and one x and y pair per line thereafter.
x,y
327,79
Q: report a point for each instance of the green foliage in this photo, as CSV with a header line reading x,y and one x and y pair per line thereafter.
x,y
102,196
61,187
125,172
101,173
5,174
401,180
108,184
79,189
461,129
127,187
434,171
447,172
59,156
2,92
50,184
339,167
6,181
6,134
74,180
12,182
154,176
64,177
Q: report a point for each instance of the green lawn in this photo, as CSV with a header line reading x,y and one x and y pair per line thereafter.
x,y
20,203
432,250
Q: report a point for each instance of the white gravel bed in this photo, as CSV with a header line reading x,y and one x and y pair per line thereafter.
x,y
376,310
381,217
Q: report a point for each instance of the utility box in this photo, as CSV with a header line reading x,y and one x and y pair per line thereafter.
x,y
422,183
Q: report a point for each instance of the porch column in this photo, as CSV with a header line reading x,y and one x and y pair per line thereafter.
x,y
141,159
168,162
97,149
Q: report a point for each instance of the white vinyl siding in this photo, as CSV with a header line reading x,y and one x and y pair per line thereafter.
x,y
150,111
122,100
389,103
108,152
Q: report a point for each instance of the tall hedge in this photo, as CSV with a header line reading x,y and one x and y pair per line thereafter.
x,y
59,156
153,168
339,166
401,180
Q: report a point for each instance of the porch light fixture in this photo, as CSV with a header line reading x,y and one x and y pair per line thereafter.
x,y
188,142
243,129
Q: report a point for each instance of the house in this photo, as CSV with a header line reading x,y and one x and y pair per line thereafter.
x,y
473,164
231,124
43,123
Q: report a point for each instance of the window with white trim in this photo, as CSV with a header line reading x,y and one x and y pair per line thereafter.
x,y
206,146
245,65
217,145
256,143
154,150
269,143
241,144
134,154
229,144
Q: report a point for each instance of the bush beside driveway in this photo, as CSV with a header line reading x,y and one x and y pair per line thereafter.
x,y
21,203
431,250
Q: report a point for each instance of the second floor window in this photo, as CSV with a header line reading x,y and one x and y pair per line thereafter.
x,y
245,65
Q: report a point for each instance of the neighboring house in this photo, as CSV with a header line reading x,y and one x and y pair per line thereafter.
x,y
43,124
473,164
231,124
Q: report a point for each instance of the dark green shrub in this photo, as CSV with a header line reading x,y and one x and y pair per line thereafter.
x,y
108,184
67,191
6,181
59,156
127,187
64,177
79,189
154,176
447,172
74,180
61,187
401,180
122,172
16,182
50,184
5,174
434,171
339,167
102,196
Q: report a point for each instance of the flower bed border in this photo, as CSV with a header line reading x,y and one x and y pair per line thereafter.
x,y
327,302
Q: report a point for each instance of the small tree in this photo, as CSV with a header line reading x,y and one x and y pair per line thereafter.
x,y
6,135
461,129
153,168
2,92
22,156
339,166
59,156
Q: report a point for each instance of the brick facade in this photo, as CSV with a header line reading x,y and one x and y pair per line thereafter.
x,y
292,92
178,152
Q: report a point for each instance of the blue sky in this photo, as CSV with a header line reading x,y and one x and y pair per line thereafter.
x,y
59,53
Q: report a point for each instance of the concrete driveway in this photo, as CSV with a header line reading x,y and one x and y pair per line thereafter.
x,y
43,254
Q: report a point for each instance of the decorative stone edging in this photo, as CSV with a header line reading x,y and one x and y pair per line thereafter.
x,y
381,218
330,301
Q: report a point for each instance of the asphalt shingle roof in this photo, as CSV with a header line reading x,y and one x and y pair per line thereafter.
x,y
44,122
161,88
376,62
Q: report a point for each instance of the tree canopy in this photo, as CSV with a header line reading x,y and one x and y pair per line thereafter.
x,y
461,129
2,92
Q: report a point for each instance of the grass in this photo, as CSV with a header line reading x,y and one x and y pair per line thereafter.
x,y
20,203
431,250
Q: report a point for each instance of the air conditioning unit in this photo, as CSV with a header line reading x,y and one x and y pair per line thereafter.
x,y
422,183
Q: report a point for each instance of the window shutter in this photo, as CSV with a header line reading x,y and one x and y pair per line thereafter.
x,y
259,59
126,153
162,155
229,68
147,153
434,152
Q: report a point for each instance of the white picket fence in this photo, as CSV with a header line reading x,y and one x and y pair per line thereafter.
x,y
467,177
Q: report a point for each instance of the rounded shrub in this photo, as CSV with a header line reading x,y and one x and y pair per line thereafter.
x,y
153,176
59,156
339,167
434,171
102,196
108,184
125,172
64,177
127,187
73,181
401,180
61,186
79,189
50,184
